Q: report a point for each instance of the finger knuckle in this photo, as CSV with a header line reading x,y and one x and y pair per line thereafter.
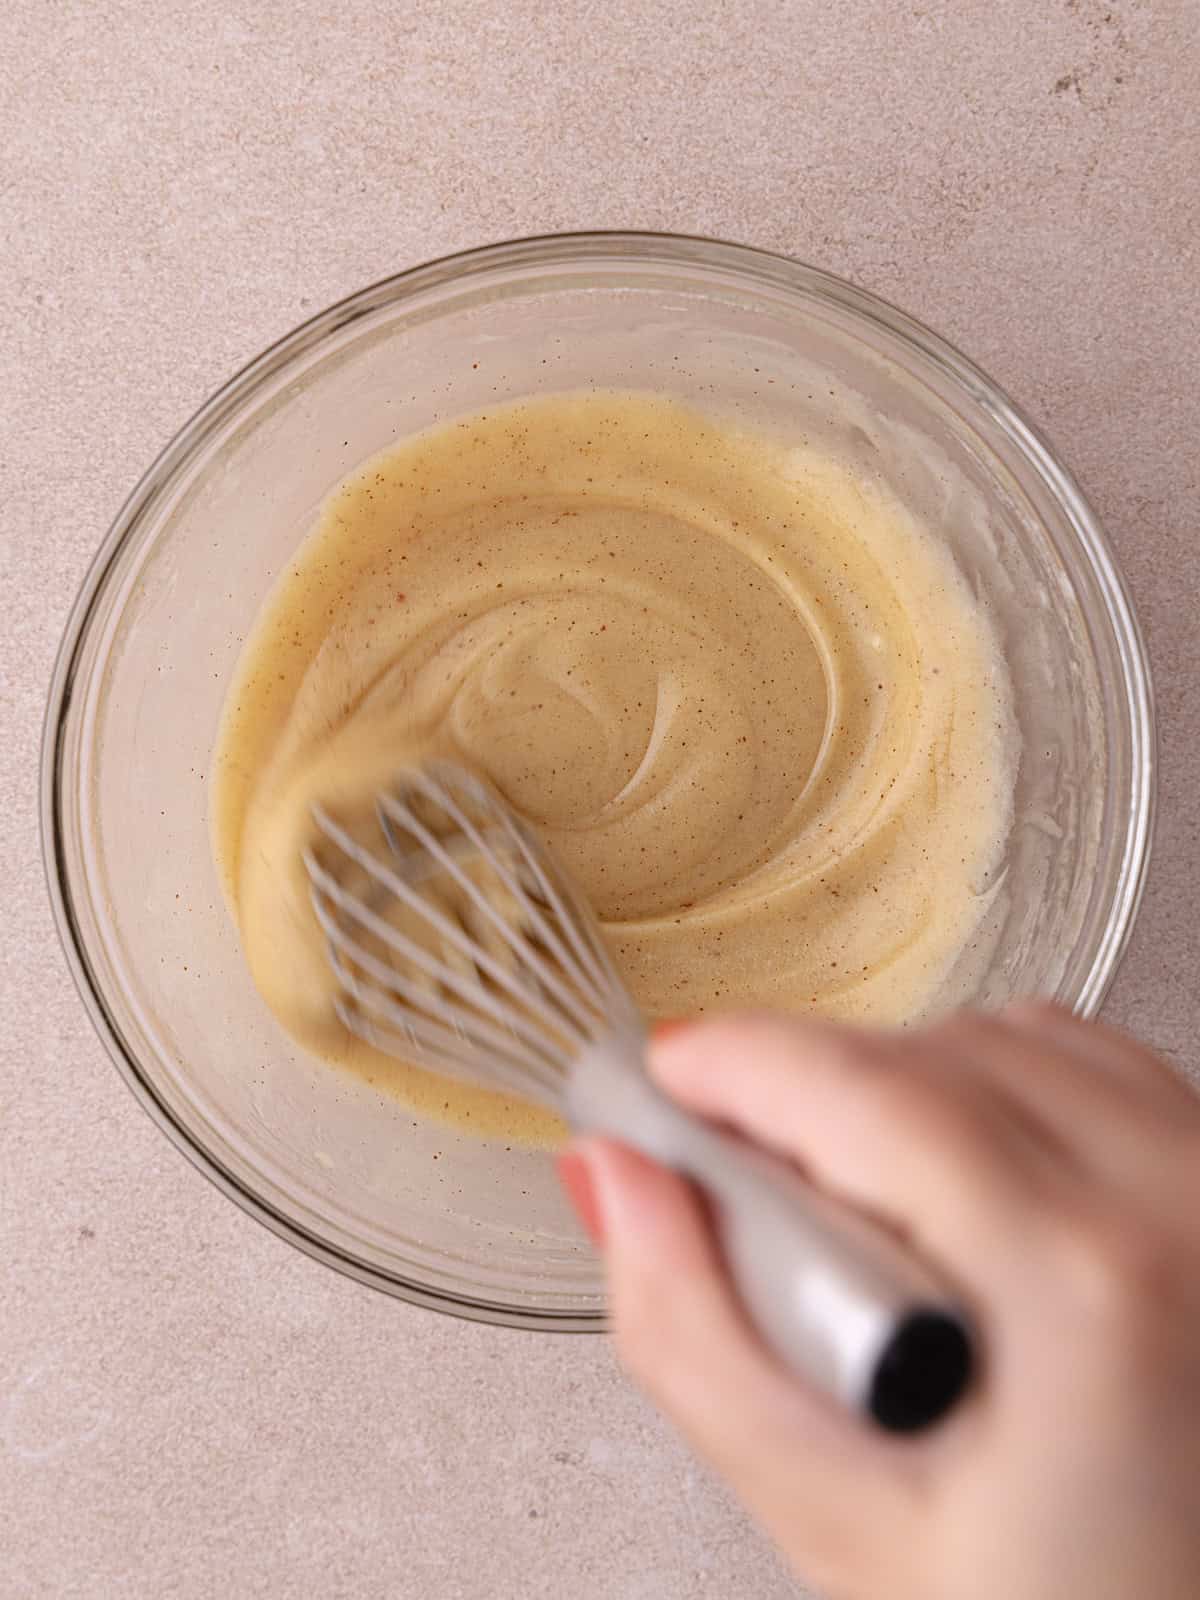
x,y
1147,1269
910,1101
1122,1272
646,1343
854,1059
1035,1009
655,1367
638,1337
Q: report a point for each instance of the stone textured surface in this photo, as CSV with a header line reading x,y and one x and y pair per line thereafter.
x,y
187,1406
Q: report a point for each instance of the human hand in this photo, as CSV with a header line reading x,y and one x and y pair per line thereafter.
x,y
1050,1168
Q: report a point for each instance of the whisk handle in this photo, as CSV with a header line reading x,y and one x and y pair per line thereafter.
x,y
836,1297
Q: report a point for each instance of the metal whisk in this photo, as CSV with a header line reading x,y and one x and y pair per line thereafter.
x,y
459,944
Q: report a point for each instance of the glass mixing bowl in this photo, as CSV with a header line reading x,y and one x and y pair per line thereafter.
x,y
345,1173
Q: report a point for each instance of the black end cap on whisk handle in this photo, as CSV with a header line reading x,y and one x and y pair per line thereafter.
x,y
922,1371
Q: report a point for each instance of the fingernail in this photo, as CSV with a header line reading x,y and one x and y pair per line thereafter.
x,y
575,1175
667,1027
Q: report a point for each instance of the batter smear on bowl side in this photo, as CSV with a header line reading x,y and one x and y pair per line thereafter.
x,y
746,699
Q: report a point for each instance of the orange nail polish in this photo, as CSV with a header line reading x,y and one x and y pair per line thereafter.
x,y
665,1027
575,1176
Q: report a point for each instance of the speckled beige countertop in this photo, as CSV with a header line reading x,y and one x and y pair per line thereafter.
x,y
188,1407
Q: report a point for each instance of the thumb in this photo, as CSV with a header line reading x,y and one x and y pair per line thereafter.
x,y
793,1457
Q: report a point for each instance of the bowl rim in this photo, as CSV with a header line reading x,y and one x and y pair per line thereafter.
x,y
614,246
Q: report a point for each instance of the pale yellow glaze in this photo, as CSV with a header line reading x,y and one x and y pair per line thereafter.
x,y
750,704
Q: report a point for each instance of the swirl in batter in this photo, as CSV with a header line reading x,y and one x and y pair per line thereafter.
x,y
746,699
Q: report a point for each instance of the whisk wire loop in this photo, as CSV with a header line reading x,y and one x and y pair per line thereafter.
x,y
569,917
328,891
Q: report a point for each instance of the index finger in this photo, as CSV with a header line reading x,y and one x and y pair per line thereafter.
x,y
872,1119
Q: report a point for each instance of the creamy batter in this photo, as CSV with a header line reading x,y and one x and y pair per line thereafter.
x,y
746,699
